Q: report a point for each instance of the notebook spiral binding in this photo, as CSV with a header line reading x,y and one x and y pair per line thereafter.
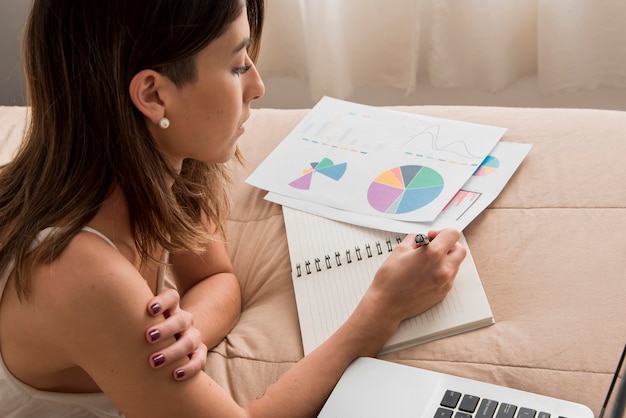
x,y
318,265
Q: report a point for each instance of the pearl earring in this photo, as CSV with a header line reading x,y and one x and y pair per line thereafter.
x,y
164,123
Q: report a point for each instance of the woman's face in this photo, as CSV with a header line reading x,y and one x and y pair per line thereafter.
x,y
207,116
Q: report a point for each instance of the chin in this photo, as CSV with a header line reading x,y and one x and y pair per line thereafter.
x,y
227,156
233,155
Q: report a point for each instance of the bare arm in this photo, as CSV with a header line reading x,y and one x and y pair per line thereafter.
x,y
210,306
176,323
409,282
209,290
109,344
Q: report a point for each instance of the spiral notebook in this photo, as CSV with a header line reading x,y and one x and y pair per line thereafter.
x,y
333,264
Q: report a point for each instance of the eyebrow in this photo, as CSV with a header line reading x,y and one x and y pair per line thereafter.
x,y
243,44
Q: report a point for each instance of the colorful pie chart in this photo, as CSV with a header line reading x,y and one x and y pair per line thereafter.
x,y
326,167
404,189
489,166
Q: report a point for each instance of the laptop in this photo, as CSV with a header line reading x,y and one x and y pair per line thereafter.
x,y
378,388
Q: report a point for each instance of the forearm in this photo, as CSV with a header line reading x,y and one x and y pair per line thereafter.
x,y
410,281
303,389
215,303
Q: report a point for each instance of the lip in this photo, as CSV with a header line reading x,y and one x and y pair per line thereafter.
x,y
242,128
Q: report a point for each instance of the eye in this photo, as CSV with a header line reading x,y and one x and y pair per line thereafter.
x,y
242,70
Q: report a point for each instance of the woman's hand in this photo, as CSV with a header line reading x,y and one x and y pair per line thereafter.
x,y
178,323
416,277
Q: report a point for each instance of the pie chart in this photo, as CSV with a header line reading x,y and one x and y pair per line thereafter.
x,y
324,167
488,166
404,189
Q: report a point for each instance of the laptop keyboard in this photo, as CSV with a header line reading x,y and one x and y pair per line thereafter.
x,y
457,405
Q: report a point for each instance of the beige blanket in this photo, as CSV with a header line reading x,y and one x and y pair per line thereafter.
x,y
550,252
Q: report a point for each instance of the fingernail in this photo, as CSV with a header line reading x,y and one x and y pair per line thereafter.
x,y
156,308
158,360
155,334
180,373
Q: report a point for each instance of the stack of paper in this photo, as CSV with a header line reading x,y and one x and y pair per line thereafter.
x,y
386,169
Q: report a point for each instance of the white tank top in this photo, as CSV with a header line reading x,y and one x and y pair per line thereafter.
x,y
18,400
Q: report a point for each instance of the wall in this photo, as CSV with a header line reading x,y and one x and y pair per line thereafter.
x,y
284,92
12,16
293,93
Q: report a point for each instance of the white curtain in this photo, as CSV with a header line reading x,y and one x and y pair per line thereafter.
x,y
339,45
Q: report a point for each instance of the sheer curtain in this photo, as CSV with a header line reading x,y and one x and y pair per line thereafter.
x,y
340,45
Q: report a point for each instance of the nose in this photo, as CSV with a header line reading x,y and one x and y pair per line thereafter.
x,y
255,88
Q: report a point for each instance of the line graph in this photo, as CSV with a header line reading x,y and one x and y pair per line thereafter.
x,y
432,134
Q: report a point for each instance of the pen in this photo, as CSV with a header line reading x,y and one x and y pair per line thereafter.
x,y
422,239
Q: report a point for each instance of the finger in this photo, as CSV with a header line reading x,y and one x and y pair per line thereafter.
x,y
458,252
174,326
447,238
411,240
163,302
195,365
417,240
188,342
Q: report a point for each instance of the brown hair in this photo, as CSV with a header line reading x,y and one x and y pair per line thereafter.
x,y
85,136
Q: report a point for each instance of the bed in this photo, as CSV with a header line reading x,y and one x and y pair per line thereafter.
x,y
549,250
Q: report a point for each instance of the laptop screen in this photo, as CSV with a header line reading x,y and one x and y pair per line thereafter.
x,y
615,401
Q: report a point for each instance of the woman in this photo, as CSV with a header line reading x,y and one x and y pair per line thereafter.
x,y
136,105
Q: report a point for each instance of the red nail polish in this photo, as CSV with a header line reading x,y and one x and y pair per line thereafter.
x,y
155,334
180,373
158,360
156,308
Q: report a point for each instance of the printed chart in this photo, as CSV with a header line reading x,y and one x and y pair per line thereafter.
x,y
461,203
325,167
334,154
431,137
404,189
488,166
477,193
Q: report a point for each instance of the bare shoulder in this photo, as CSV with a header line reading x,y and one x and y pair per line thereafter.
x,y
44,335
103,314
88,270
90,286
88,311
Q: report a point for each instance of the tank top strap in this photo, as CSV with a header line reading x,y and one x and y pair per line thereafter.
x,y
161,269
100,234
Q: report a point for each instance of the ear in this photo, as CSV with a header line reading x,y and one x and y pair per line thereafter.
x,y
148,93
